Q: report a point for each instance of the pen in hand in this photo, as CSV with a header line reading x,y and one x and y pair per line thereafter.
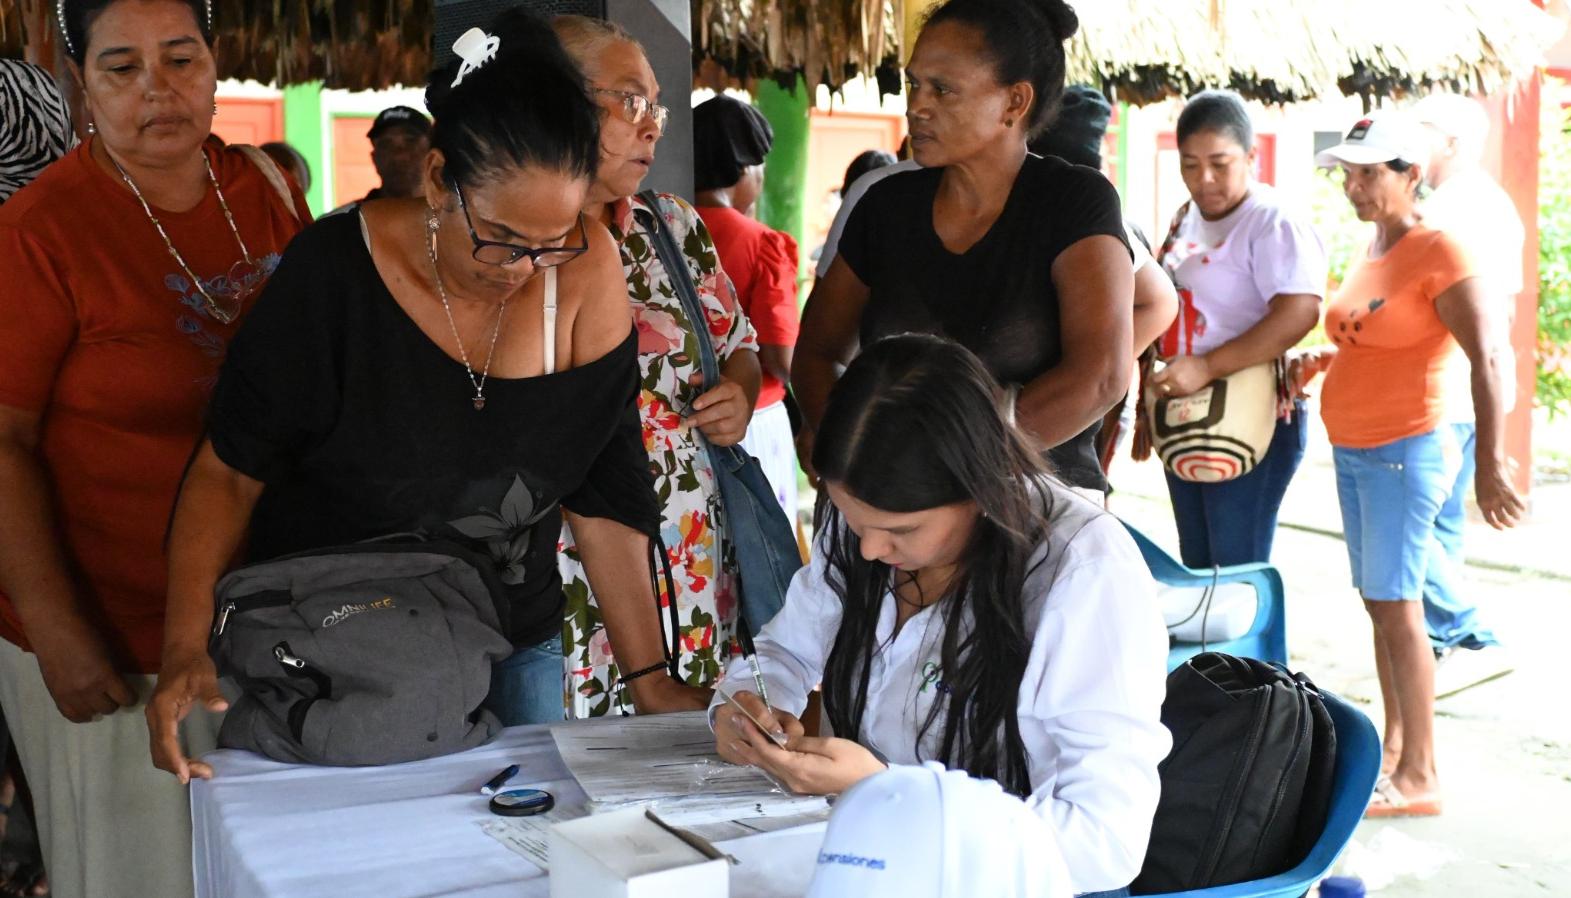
x,y
746,640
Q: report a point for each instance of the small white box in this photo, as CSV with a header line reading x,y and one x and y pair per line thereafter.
x,y
627,854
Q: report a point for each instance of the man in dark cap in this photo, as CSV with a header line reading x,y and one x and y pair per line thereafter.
x,y
400,139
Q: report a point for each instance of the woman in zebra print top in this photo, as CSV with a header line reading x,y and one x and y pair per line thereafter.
x,y
37,124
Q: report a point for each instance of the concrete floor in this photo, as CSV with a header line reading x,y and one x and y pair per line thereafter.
x,y
1504,747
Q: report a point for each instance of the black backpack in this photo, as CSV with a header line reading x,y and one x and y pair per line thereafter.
x,y
1246,788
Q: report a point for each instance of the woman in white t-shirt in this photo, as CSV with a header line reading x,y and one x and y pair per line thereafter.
x,y
1250,276
962,606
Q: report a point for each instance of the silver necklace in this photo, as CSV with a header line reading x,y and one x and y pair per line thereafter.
x,y
441,290
242,275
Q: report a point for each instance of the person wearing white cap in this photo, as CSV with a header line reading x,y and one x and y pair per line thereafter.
x,y
1403,306
1467,204
926,832
965,607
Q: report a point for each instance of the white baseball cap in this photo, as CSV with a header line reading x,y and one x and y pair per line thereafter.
x,y
1453,115
1379,137
927,832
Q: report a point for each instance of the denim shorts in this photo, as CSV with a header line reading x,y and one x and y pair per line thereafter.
x,y
1390,497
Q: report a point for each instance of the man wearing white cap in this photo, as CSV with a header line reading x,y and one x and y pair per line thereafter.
x,y
926,832
1467,204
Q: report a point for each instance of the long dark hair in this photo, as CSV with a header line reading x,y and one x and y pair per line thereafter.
x,y
915,423
528,106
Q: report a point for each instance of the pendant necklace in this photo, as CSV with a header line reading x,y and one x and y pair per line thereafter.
x,y
441,290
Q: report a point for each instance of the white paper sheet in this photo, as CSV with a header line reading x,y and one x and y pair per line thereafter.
x,y
650,756
528,836
668,761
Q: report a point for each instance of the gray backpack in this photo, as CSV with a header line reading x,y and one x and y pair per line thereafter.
x,y
375,653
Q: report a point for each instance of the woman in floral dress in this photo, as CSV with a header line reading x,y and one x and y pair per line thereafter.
x,y
672,403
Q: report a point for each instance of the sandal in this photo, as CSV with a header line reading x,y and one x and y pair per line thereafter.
x,y
1388,802
23,880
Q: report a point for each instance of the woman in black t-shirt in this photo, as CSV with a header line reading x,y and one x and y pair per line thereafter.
x,y
1021,259
459,365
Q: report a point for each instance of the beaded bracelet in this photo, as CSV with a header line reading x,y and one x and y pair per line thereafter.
x,y
628,678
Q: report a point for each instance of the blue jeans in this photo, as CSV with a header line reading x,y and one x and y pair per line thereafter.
x,y
526,686
1452,620
1234,522
1391,496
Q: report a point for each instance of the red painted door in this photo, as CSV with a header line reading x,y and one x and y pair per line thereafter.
x,y
353,174
253,120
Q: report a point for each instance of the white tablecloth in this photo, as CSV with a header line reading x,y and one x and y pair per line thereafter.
x,y
261,829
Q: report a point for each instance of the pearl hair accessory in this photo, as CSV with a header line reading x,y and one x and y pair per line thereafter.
x,y
207,9
475,48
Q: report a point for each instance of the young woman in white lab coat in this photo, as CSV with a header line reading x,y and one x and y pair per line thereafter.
x,y
963,606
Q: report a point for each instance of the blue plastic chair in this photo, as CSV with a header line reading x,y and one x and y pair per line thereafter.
x,y
1352,785
1266,639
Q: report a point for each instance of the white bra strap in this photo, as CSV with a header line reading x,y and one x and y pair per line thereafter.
x,y
550,320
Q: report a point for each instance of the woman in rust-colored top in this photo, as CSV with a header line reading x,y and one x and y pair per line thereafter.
x,y
128,265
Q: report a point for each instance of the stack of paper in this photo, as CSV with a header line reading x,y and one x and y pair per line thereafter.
x,y
668,762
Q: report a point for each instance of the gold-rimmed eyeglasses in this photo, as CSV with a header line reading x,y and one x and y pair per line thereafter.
x,y
637,107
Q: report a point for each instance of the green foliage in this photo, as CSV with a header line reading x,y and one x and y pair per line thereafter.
x,y
1333,216
1554,256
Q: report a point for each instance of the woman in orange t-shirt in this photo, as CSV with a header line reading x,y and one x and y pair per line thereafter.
x,y
127,265
1403,306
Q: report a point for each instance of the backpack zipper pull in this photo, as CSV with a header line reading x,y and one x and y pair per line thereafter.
x,y
223,619
281,652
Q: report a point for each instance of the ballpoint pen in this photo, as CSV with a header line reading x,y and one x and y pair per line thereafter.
x,y
745,638
500,780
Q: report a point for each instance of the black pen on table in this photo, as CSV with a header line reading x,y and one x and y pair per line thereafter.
x,y
500,780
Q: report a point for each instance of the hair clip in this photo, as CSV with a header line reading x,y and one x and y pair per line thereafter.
x,y
64,34
475,48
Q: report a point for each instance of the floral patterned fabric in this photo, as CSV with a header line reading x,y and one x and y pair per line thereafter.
x,y
668,364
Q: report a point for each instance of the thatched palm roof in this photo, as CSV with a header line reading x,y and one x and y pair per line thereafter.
x,y
1138,50
1290,50
354,44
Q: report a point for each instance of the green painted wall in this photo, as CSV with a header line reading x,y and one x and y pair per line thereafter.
x,y
303,131
1123,149
783,204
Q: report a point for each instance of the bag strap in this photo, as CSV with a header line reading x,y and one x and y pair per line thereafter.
x,y
1172,230
273,174
681,281
1140,445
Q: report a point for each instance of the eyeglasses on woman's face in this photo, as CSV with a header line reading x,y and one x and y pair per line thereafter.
x,y
495,252
637,107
